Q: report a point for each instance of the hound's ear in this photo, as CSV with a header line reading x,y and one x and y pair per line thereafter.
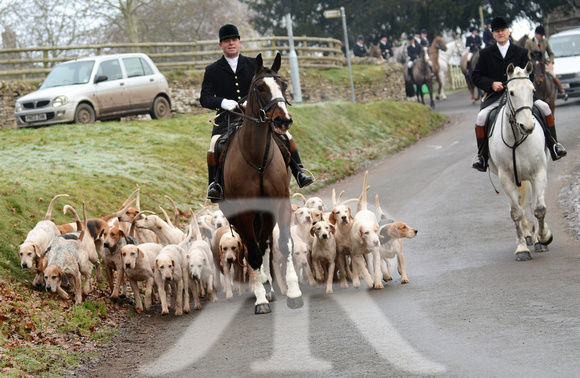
x,y
259,63
173,263
510,69
102,233
393,231
155,266
277,63
332,228
383,232
358,234
312,230
332,217
64,278
37,250
529,68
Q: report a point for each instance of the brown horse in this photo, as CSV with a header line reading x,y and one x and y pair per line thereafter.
x,y
543,81
422,75
467,68
256,181
436,45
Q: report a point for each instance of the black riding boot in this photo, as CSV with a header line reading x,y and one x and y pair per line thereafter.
x,y
297,168
557,151
214,190
480,160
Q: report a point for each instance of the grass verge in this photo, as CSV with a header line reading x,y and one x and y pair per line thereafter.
x,y
101,164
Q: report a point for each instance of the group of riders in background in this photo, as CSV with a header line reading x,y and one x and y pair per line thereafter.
x,y
473,42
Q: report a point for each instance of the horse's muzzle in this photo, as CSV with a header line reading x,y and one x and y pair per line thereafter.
x,y
282,122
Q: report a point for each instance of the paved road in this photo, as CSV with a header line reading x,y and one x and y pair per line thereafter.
x,y
469,309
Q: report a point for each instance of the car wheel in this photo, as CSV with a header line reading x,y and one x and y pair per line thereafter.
x,y
85,114
161,108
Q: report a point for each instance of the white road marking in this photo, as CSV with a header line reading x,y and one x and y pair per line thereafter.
x,y
210,321
378,331
291,344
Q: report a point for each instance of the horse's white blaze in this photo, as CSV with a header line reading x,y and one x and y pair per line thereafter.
x,y
277,92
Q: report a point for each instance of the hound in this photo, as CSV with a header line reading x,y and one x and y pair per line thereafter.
x,y
201,272
228,252
342,219
167,233
364,239
67,262
38,238
138,265
89,244
114,241
324,252
168,272
312,202
391,246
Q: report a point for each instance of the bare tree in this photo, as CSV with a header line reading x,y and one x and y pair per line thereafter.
x,y
48,23
123,14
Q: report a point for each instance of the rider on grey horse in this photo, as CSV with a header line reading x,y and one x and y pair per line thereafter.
x,y
490,75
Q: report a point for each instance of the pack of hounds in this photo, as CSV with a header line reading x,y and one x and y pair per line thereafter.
x,y
165,263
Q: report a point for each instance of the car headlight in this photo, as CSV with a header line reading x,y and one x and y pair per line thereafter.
x,y
18,107
59,101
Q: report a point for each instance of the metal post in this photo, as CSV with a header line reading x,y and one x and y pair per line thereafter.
x,y
347,52
294,71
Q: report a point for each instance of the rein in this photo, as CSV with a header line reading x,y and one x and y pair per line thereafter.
x,y
512,121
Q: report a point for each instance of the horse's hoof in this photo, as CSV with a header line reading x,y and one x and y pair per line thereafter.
x,y
529,240
541,247
523,256
295,303
270,296
262,308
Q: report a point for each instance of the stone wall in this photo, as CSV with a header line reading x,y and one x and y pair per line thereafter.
x,y
185,91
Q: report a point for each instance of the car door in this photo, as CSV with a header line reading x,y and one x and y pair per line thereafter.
x,y
141,82
111,93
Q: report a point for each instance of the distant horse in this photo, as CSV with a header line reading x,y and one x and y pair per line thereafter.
x,y
522,41
436,45
422,75
256,181
467,68
543,81
518,156
452,55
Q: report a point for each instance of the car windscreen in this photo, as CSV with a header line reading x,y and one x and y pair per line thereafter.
x,y
565,45
69,74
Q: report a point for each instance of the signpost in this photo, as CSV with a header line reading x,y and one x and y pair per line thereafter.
x,y
292,57
335,13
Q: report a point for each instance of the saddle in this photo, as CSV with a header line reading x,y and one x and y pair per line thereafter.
x,y
223,142
492,118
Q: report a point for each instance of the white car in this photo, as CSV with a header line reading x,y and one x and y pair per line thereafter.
x,y
566,47
97,88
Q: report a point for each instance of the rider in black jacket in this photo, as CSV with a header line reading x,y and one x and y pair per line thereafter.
x,y
490,74
226,83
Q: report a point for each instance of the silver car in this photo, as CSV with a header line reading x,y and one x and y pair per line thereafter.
x,y
102,87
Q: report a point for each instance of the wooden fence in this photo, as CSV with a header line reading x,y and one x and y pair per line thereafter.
x,y
37,62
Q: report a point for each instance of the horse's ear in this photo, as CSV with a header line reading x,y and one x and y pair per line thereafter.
x,y
277,63
510,69
259,63
529,68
